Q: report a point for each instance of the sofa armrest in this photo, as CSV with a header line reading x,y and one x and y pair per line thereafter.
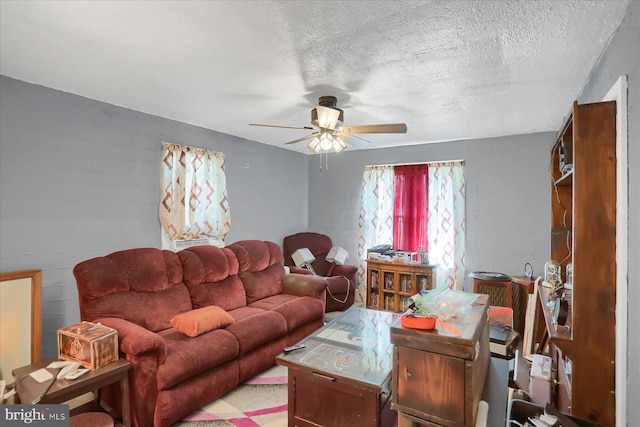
x,y
346,270
146,351
304,285
136,340
300,270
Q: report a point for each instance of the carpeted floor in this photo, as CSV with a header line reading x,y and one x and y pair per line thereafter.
x,y
260,402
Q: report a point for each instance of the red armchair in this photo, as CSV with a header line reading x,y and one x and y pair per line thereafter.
x,y
341,279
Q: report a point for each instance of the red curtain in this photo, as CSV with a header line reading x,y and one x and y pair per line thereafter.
x,y
411,207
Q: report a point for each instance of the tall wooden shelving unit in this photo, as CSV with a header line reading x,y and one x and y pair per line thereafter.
x,y
583,232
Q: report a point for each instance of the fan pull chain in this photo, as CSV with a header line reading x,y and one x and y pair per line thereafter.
x,y
326,161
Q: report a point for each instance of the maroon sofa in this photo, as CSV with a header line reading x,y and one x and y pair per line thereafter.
x,y
138,291
341,279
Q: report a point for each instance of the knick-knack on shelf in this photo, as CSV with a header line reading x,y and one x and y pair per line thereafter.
x,y
424,257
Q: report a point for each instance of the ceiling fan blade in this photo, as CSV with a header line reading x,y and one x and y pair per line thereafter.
x,y
387,128
353,140
327,117
282,127
303,138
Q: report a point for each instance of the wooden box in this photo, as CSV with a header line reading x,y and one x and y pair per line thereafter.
x,y
91,344
438,375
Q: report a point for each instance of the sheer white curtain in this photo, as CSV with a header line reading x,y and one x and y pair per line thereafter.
x,y
376,217
193,199
447,222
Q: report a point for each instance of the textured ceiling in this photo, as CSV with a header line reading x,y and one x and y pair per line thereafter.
x,y
449,69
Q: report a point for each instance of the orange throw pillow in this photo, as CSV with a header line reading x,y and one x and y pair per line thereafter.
x,y
201,320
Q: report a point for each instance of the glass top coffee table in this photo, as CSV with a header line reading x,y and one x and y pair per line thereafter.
x,y
343,376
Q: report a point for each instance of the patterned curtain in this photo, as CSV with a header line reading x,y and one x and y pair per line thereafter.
x,y
193,199
447,222
376,217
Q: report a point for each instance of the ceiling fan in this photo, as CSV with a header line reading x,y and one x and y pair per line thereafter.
x,y
328,130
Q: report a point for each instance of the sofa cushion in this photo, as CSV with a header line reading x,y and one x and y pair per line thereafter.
x,y
296,310
256,255
142,285
207,263
151,310
260,268
211,274
205,319
262,284
244,312
227,294
257,329
187,357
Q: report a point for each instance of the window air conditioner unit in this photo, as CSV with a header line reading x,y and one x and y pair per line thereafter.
x,y
178,245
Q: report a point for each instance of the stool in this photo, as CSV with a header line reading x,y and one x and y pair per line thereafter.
x,y
91,419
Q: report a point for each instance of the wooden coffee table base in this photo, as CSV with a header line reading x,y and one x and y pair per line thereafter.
x,y
323,400
342,377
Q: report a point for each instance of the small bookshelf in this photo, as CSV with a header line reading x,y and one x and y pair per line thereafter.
x,y
391,284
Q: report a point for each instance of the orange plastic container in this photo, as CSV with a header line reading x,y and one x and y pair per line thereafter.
x,y
419,322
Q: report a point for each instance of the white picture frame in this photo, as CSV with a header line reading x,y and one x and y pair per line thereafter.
x,y
21,318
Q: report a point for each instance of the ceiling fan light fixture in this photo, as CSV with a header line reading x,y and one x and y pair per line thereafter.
x,y
314,145
326,141
338,144
328,118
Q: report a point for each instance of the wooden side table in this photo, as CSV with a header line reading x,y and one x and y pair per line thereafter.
x,y
63,390
439,374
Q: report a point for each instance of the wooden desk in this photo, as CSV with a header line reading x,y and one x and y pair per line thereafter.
x,y
64,390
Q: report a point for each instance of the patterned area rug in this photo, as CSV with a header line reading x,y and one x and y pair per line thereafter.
x,y
260,402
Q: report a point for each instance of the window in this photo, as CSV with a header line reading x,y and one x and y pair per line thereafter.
x,y
193,199
410,206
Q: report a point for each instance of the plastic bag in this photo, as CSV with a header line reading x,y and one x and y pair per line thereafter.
x,y
444,303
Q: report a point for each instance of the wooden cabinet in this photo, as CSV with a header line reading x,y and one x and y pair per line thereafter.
x,y
438,376
583,233
390,284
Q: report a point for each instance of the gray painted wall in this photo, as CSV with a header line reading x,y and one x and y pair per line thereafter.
x,y
85,155
622,57
507,202
80,178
